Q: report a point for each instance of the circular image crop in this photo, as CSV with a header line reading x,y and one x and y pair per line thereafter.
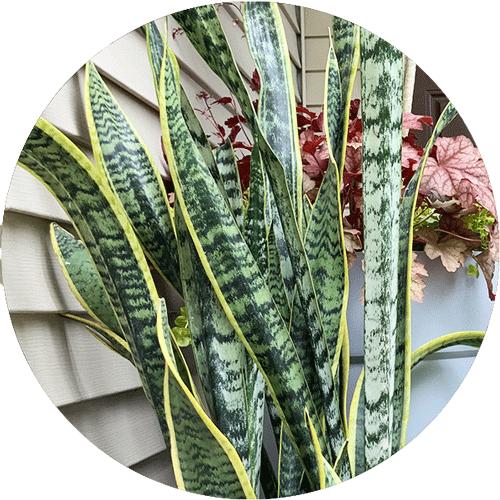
x,y
250,250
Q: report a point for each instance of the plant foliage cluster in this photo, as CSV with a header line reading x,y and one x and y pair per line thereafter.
x,y
264,279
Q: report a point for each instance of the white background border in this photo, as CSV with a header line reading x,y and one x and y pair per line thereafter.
x,y
43,44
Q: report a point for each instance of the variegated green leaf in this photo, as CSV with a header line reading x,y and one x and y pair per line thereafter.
x,y
357,414
277,115
82,277
342,467
131,171
268,479
231,267
228,168
381,94
109,338
105,230
471,339
221,358
402,379
346,46
204,460
290,470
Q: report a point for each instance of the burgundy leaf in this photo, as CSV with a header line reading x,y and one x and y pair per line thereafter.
x,y
223,100
255,83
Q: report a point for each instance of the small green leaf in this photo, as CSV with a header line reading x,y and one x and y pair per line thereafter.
x,y
472,270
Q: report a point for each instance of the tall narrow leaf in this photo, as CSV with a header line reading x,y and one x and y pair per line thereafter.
x,y
382,91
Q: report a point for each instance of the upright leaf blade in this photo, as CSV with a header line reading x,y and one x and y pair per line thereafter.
x,y
121,153
204,461
382,91
104,228
230,267
402,380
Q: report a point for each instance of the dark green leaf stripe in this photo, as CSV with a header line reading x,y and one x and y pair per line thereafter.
x,y
381,93
233,272
83,279
156,47
290,470
107,337
219,355
120,152
202,26
277,115
334,108
228,168
104,229
402,379
325,253
204,460
346,46
342,466
356,423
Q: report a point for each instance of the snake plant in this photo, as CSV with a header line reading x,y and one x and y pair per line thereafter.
x,y
264,281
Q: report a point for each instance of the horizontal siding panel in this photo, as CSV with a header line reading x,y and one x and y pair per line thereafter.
x,y
124,426
316,23
29,196
126,63
32,276
158,468
315,85
69,363
316,53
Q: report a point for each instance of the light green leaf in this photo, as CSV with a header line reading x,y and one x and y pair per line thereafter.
x,y
121,153
382,113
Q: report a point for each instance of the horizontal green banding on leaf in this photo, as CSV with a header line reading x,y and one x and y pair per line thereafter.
x,y
121,153
381,94
290,470
202,27
334,108
83,279
105,230
233,272
204,460
218,353
277,115
402,380
346,46
228,168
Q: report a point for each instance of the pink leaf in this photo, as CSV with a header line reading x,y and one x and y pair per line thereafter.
x,y
414,122
417,282
458,171
453,251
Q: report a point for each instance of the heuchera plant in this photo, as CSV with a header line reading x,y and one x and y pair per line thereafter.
x,y
455,218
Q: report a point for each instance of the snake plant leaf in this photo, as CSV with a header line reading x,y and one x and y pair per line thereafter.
x,y
381,94
334,107
342,467
156,44
103,227
328,476
121,153
82,277
204,460
277,115
107,337
357,414
231,267
228,168
356,433
346,46
402,380
469,338
220,357
290,470
268,479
